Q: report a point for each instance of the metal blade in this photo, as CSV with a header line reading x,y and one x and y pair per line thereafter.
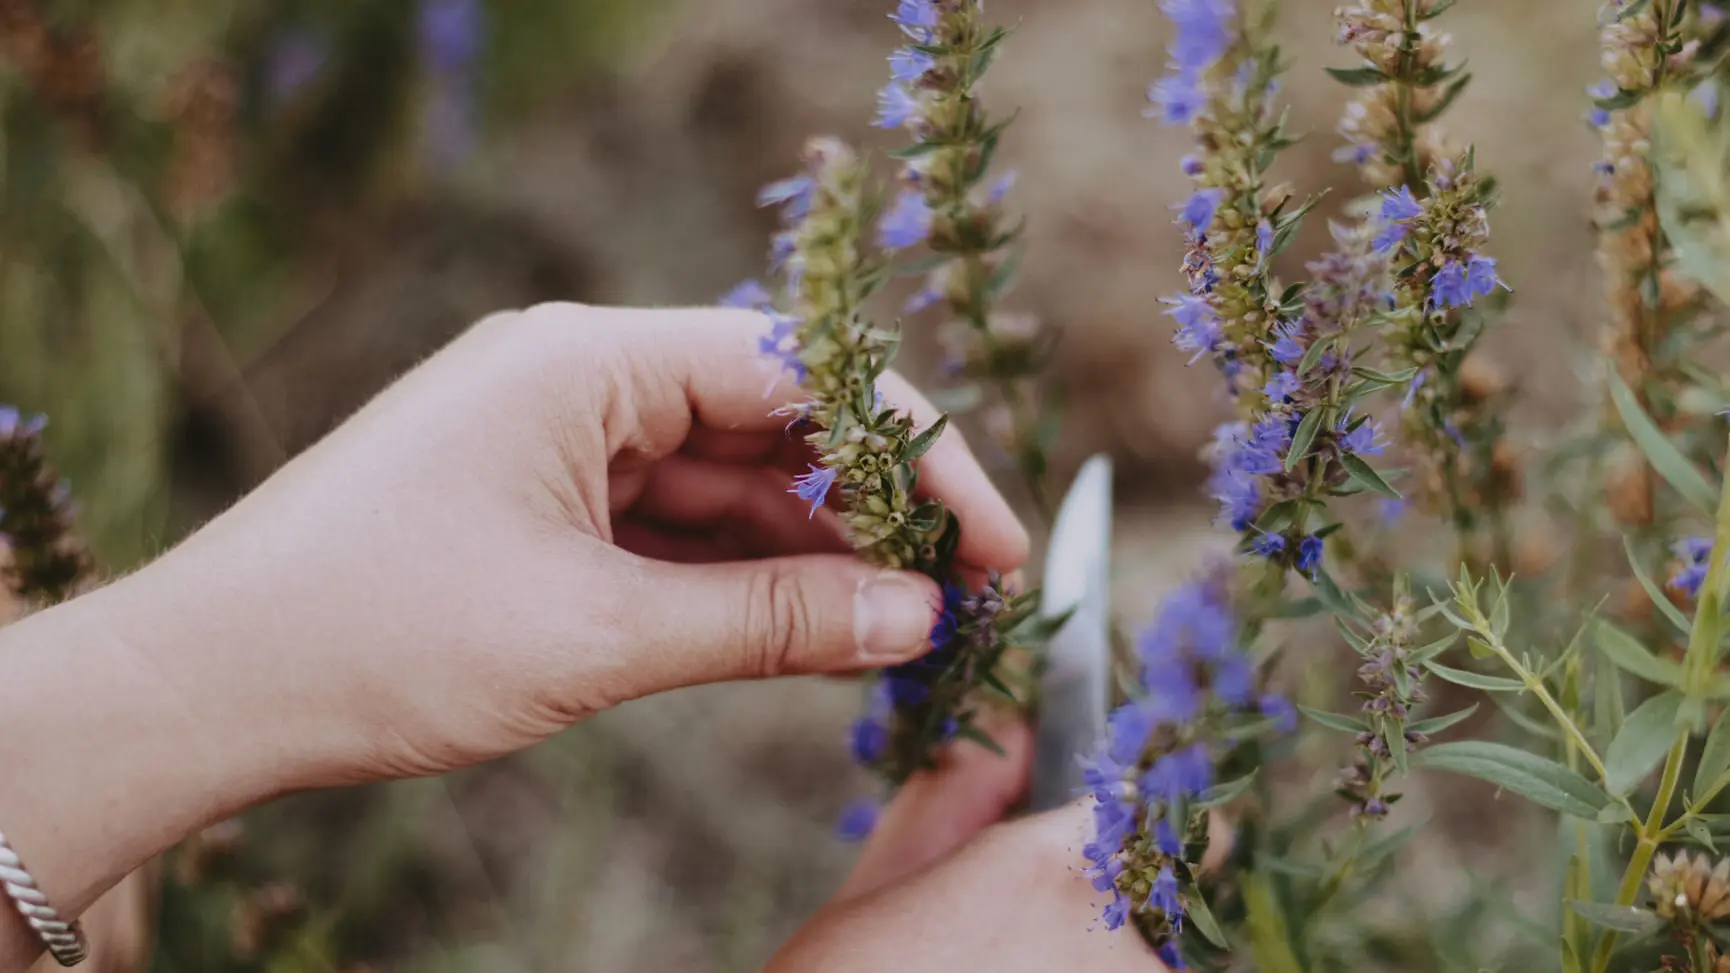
x,y
1075,689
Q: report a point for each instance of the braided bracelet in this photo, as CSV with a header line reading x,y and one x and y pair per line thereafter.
x,y
65,941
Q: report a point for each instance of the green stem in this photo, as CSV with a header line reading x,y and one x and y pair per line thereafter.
x,y
1649,838
1535,686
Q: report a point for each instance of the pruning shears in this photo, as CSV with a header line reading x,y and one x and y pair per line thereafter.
x,y
1075,685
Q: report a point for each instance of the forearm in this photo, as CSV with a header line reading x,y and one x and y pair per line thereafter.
x,y
104,760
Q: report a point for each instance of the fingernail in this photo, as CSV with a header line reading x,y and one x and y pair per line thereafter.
x,y
892,617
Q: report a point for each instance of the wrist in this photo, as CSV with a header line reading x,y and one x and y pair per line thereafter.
x,y
106,759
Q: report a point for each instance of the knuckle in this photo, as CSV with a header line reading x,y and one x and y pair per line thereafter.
x,y
781,621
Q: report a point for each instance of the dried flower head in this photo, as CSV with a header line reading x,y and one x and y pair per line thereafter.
x,y
1690,889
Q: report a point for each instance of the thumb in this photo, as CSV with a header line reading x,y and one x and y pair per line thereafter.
x,y
782,616
939,810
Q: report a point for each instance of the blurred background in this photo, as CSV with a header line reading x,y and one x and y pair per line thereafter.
x,y
223,226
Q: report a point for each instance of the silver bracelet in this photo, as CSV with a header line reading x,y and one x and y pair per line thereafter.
x,y
65,940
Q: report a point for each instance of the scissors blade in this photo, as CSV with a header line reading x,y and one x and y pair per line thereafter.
x,y
1075,687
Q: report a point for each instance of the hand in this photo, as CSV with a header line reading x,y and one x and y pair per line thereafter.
x,y
939,887
567,508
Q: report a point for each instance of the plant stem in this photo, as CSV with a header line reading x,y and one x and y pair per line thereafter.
x,y
1536,687
1649,837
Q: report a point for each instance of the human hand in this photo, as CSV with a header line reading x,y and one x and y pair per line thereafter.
x,y
939,886
567,508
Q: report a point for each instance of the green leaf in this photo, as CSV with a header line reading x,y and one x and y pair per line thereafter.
x,y
1365,77
1621,918
1437,724
1203,918
1629,655
1641,743
1313,356
1304,438
1460,677
1225,793
1664,604
1449,95
925,440
1366,474
1540,780
1383,847
1698,831
1615,814
1714,756
968,731
1665,458
1335,721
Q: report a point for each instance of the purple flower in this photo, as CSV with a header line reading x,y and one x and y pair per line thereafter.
x,y
1165,840
1598,117
1000,187
1202,32
1264,239
1281,711
1286,349
869,739
1695,554
1199,329
1269,545
1282,386
1201,208
1116,913
1604,88
748,294
1309,554
1457,285
918,19
814,487
1169,955
1164,896
1365,440
1179,775
1398,210
907,223
858,821
1191,166
793,195
896,106
782,344
907,65
14,423
1177,100
1392,511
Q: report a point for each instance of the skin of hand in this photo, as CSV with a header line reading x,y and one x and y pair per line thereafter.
x,y
565,509
940,886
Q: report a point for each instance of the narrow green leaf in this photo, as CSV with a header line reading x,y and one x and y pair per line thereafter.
x,y
1641,743
1203,918
1304,438
1313,355
1460,677
1615,814
1665,458
1621,918
1699,832
1383,847
1628,654
1336,721
1225,793
1437,724
1366,474
1665,605
1424,654
968,731
1538,779
1365,77
1714,756
925,440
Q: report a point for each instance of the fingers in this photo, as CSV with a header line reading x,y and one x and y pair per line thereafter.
x,y
939,810
752,503
704,364
817,613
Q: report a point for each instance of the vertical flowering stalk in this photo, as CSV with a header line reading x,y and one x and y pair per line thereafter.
x,y
1404,87
1152,779
1435,246
950,203
1643,48
49,560
868,451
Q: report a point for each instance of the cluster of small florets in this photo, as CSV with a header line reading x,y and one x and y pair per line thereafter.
x,y
1221,84
1693,557
1404,85
952,203
1690,890
1392,688
1150,775
48,558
